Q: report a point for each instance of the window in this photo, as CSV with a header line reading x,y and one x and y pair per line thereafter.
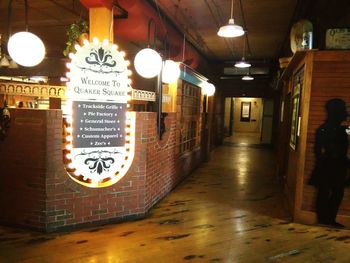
x,y
190,117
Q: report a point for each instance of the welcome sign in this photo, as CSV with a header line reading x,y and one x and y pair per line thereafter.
x,y
99,145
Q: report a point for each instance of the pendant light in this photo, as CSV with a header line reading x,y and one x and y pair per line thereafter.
x,y
248,76
243,63
25,48
148,62
231,30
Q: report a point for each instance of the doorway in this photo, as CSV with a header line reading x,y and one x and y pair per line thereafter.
x,y
246,121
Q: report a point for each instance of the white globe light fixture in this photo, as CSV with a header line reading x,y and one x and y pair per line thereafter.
x,y
171,71
148,63
26,49
209,89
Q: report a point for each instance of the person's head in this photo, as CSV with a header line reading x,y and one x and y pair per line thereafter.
x,y
336,109
20,104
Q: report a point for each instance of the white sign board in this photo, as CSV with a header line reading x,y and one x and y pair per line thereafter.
x,y
98,91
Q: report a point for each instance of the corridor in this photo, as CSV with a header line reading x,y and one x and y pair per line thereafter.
x,y
230,209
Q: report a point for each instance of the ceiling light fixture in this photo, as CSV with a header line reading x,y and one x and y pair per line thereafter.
x,y
248,77
25,48
4,62
243,63
231,30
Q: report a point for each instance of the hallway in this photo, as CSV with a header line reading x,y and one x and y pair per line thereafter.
x,y
228,210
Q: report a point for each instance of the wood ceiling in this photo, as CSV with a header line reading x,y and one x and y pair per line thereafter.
x,y
49,19
267,23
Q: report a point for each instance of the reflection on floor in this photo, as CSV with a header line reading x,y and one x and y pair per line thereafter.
x,y
244,138
230,210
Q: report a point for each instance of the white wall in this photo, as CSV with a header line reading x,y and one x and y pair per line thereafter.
x,y
255,114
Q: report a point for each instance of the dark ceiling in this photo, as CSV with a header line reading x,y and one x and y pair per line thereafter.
x,y
267,23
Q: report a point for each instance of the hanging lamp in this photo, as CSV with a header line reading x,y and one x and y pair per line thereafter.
x,y
148,62
4,62
243,63
231,30
248,76
25,48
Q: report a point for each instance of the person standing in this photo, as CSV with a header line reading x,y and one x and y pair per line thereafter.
x,y
330,171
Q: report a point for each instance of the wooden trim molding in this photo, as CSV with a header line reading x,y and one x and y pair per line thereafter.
x,y
37,90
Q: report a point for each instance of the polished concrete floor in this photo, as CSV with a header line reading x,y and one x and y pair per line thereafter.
x,y
231,209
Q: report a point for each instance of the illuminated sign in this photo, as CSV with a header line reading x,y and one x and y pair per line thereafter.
x,y
99,145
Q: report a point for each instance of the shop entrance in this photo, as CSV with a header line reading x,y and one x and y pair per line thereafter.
x,y
248,120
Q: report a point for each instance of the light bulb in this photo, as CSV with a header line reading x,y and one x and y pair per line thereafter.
x,y
148,63
171,71
26,49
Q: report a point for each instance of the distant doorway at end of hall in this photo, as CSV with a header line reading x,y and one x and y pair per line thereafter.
x,y
248,120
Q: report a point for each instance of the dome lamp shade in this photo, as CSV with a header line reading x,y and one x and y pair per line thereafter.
x,y
231,30
242,64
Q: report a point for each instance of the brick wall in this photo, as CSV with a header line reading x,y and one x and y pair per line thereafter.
x,y
23,168
36,192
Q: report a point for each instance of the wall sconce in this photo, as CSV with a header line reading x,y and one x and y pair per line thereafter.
x,y
25,48
208,89
148,62
171,71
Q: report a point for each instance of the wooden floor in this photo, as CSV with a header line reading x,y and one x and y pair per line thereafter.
x,y
230,210
244,138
